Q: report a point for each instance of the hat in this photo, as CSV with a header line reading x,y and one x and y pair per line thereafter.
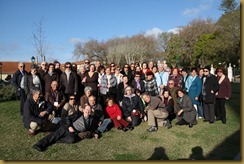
x,y
33,66
150,73
207,67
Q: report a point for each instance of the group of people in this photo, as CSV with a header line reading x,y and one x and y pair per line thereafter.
x,y
77,103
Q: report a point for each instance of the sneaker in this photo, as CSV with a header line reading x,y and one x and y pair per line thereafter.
x,y
152,129
168,124
39,147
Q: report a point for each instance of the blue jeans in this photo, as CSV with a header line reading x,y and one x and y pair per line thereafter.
x,y
104,125
200,109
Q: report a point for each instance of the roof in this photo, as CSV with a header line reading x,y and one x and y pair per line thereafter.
x,y
12,67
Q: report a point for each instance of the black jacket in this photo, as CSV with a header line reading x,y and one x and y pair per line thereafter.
x,y
128,104
17,78
209,88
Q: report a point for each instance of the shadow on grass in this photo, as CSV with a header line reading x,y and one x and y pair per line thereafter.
x,y
159,154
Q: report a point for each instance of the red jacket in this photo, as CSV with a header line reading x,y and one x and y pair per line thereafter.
x,y
113,111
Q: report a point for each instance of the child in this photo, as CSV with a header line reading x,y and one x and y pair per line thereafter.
x,y
115,115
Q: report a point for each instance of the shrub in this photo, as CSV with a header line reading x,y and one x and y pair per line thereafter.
x,y
7,93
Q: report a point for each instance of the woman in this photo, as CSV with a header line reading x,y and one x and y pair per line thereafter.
x,y
137,83
84,98
118,75
187,113
193,87
132,107
107,86
177,77
91,80
222,95
120,90
115,115
144,70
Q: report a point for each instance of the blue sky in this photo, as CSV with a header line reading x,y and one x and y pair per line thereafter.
x,y
68,21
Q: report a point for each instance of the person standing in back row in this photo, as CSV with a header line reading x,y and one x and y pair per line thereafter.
x,y
222,95
210,86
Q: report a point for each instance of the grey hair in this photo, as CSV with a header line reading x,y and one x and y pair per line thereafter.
x,y
34,90
87,88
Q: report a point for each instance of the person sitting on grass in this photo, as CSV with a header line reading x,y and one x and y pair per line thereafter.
x,y
97,112
156,112
187,113
36,113
132,107
115,115
69,108
78,126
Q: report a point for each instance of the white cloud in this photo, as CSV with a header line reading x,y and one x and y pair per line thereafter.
x,y
75,40
153,32
174,30
195,11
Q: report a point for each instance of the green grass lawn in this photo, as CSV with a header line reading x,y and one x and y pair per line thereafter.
x,y
204,141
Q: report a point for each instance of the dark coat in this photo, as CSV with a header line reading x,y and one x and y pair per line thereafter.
x,y
48,80
92,82
224,89
28,83
190,113
60,98
129,75
32,111
71,86
128,104
210,87
120,92
17,78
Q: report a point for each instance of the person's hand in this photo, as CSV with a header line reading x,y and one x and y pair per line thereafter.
x,y
141,115
129,118
227,98
196,98
96,136
179,113
43,113
118,117
71,130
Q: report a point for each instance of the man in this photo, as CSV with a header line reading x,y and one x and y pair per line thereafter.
x,y
155,111
55,98
68,81
161,78
87,64
35,115
18,82
78,126
97,112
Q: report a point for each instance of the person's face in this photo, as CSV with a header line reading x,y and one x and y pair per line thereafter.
x,y
117,71
154,69
144,65
206,72
21,67
68,67
132,67
36,96
43,65
110,103
125,80
128,91
72,100
149,77
219,72
92,68
137,77
138,69
166,94
171,84
87,111
54,85
88,93
33,71
108,71
82,70
160,68
146,98
57,66
87,62
92,101
175,72
193,73
150,64
126,67
180,94
201,72
51,68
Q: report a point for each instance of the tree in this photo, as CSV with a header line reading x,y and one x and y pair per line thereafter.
x,y
38,39
228,6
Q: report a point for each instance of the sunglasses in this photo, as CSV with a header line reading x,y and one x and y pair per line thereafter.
x,y
205,71
72,98
67,67
21,66
171,83
87,62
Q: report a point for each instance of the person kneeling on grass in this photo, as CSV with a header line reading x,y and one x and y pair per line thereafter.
x,y
187,113
156,112
115,115
37,114
78,126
